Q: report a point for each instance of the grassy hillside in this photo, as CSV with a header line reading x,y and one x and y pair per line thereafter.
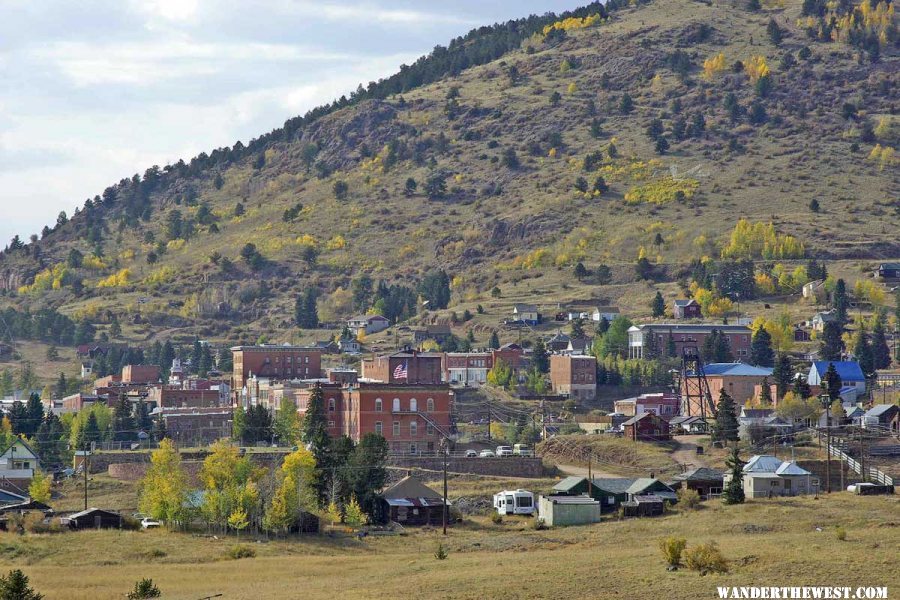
x,y
511,139
767,542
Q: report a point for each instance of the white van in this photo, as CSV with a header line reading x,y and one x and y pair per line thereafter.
x,y
514,502
523,450
504,451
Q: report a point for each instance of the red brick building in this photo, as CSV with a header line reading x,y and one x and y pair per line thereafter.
x,y
197,426
136,374
574,375
406,366
412,418
687,336
275,362
168,396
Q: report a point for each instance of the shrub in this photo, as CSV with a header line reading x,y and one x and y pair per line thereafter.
x,y
496,518
688,499
143,589
441,552
239,551
538,524
841,534
671,548
33,522
705,558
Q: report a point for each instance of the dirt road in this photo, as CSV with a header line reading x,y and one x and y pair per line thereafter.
x,y
686,451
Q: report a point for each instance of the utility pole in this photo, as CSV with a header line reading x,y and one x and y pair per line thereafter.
x,y
543,422
825,399
446,458
590,477
84,465
489,419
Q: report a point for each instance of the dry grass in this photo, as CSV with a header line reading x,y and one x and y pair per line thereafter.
x,y
767,542
613,454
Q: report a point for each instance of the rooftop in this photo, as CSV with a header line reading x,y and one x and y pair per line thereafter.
x,y
847,370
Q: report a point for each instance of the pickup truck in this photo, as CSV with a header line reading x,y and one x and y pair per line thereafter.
x,y
504,451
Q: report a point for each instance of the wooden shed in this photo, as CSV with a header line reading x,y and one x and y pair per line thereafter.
x,y
93,518
411,502
646,427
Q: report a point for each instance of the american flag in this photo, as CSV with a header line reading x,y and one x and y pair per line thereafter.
x,y
401,372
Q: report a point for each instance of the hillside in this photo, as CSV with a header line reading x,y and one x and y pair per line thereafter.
x,y
504,159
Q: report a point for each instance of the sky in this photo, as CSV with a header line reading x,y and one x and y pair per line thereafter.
x,y
99,90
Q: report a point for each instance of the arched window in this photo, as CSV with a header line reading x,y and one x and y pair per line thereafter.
x,y
429,405
378,405
331,404
396,405
413,405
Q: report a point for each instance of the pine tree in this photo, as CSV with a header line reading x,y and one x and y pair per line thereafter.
x,y
196,356
761,353
839,301
494,342
726,428
765,396
123,424
34,415
734,490
862,351
62,386
832,345
14,586
658,305
671,348
880,350
783,374
801,388
832,382
539,358
91,430
306,312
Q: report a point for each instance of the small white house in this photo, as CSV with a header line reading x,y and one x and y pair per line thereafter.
x,y
604,312
368,324
766,476
514,502
18,461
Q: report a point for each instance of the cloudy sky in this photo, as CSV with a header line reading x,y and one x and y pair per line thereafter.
x,y
99,90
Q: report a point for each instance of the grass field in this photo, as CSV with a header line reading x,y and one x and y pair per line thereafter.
x,y
767,542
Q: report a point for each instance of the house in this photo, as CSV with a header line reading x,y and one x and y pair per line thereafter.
x,y
821,318
883,416
646,427
815,290
738,379
664,404
610,492
580,345
801,335
468,368
349,346
848,370
327,347
18,457
764,418
855,414
703,480
889,270
8,498
688,424
192,427
561,511
367,324
93,518
765,476
411,502
604,312
649,505
558,342
526,313
87,369
440,333
687,336
686,309
23,507
574,375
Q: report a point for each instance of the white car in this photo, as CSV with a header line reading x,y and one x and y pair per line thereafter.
x,y
148,523
504,451
486,454
471,454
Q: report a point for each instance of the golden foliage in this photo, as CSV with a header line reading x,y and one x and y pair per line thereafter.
x,y
160,276
756,68
884,155
52,278
759,240
868,290
713,66
175,244
336,243
662,191
93,262
573,23
120,279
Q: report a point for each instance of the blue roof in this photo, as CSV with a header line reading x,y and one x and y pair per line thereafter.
x,y
848,370
736,369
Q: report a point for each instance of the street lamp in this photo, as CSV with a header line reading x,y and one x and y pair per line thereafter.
x,y
825,399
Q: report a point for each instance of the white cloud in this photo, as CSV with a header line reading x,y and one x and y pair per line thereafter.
x,y
372,13
169,10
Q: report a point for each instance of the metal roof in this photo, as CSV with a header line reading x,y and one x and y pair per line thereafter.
x,y
568,483
736,370
879,409
700,474
762,463
571,499
791,468
848,370
613,485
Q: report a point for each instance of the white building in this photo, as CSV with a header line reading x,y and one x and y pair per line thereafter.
x,y
766,476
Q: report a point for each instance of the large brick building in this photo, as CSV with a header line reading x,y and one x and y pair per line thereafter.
x,y
168,396
741,381
197,426
574,375
275,362
406,366
412,418
138,374
687,336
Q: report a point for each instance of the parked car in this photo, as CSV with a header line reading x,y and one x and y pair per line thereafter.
x,y
523,450
486,454
148,523
471,454
504,451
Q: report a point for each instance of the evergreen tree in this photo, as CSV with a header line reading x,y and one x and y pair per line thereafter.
x,y
832,345
142,419
658,305
881,352
734,490
159,429
51,440
761,353
18,418
671,348
34,415
580,271
196,355
602,326
494,343
862,351
726,427
62,386
839,301
206,361
306,313
367,472
539,357
123,423
801,388
783,374
832,382
166,356
224,361
717,348
91,432
577,327
14,586
765,396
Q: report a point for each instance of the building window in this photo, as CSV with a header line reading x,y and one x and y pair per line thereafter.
x,y
396,431
429,405
331,405
378,427
331,423
396,407
377,404
413,449
413,429
306,359
413,405
429,429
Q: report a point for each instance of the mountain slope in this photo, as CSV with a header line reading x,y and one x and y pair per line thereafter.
x,y
326,200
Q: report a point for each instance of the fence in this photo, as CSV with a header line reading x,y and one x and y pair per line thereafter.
x,y
870,473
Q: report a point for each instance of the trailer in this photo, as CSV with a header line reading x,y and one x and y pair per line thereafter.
x,y
514,502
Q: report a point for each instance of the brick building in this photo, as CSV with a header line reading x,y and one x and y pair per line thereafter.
x,y
197,426
168,396
663,404
406,366
687,336
574,375
412,418
742,382
275,362
468,368
138,374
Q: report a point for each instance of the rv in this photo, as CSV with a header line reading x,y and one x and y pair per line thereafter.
x,y
514,502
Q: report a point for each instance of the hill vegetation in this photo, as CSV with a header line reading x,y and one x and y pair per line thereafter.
x,y
636,141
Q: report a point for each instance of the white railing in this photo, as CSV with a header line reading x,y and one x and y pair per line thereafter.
x,y
857,467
